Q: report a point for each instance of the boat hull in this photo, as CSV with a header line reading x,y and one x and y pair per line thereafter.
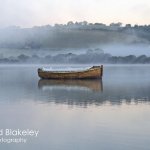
x,y
93,73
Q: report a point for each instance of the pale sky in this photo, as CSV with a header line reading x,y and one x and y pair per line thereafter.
x,y
28,13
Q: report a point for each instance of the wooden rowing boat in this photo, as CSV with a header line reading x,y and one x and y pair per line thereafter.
x,y
94,72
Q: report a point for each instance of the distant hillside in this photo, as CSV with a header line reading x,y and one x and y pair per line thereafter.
x,y
73,35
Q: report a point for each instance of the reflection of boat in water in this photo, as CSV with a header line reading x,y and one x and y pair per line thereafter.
x,y
78,92
91,73
86,92
95,85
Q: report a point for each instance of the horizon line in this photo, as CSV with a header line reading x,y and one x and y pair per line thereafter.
x,y
53,24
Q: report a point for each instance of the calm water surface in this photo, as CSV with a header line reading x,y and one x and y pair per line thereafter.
x,y
108,114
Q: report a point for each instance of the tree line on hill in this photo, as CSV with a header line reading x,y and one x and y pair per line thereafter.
x,y
90,57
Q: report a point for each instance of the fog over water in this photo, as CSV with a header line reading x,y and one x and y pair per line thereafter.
x,y
114,49
77,38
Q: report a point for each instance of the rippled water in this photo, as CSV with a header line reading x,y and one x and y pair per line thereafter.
x,y
112,113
